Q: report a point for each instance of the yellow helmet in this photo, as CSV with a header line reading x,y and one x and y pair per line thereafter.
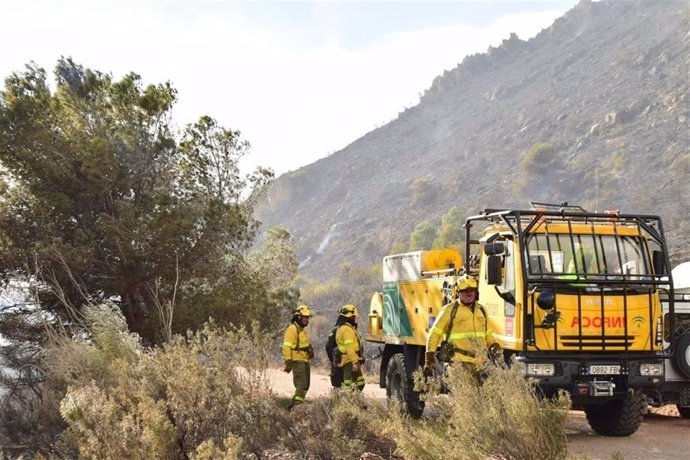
x,y
465,282
348,311
303,310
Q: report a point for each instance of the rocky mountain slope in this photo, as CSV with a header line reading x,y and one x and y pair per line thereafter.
x,y
604,91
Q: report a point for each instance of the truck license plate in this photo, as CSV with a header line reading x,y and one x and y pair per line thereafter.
x,y
604,369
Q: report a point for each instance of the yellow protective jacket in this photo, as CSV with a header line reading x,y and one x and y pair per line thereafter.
x,y
296,346
469,325
349,344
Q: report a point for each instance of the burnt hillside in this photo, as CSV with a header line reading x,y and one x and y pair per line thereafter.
x,y
605,89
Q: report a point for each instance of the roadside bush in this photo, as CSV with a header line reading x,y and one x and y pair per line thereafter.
x,y
204,395
207,450
502,418
507,417
105,426
30,413
341,427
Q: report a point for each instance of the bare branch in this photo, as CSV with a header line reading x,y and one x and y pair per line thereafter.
x,y
165,309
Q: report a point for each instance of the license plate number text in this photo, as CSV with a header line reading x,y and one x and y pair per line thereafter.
x,y
604,369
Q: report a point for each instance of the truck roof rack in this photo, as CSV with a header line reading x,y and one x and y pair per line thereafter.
x,y
563,207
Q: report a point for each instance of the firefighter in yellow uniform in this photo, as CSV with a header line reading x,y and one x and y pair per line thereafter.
x,y
349,347
297,351
460,327
583,262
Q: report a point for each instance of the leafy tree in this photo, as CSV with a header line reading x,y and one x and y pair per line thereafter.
x,y
398,247
423,236
101,201
451,232
422,191
276,260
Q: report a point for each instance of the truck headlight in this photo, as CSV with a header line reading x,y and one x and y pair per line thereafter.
x,y
652,369
540,369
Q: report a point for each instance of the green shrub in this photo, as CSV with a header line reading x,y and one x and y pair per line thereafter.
x,y
539,157
422,191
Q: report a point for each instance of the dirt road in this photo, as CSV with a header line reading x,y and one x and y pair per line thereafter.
x,y
659,438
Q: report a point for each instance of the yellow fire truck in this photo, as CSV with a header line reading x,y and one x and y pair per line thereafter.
x,y
572,295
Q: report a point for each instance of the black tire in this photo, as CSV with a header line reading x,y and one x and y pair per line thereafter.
x,y
681,357
400,387
620,417
684,411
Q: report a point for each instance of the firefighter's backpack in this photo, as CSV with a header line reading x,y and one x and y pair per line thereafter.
x,y
333,354
331,346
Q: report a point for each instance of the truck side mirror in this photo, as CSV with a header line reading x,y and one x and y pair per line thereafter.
x,y
491,249
658,263
493,269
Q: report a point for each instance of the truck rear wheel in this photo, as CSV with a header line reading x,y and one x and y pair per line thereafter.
x,y
400,386
681,358
620,417
684,411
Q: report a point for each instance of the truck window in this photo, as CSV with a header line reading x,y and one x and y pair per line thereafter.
x,y
587,254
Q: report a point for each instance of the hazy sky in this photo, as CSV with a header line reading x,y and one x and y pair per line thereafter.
x,y
300,80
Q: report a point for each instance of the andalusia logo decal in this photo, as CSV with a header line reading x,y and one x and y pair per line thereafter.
x,y
638,321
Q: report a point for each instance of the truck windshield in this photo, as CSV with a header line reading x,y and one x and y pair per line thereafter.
x,y
587,254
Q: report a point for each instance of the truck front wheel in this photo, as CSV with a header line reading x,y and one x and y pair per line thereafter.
x,y
682,355
620,417
400,386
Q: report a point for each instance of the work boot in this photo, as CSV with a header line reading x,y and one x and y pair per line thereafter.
x,y
294,403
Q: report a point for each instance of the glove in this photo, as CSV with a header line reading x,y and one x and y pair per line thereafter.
x,y
495,352
429,364
288,366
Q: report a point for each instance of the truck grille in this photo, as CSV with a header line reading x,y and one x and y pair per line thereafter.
x,y
598,341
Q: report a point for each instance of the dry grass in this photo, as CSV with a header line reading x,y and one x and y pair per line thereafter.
x,y
501,418
342,426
